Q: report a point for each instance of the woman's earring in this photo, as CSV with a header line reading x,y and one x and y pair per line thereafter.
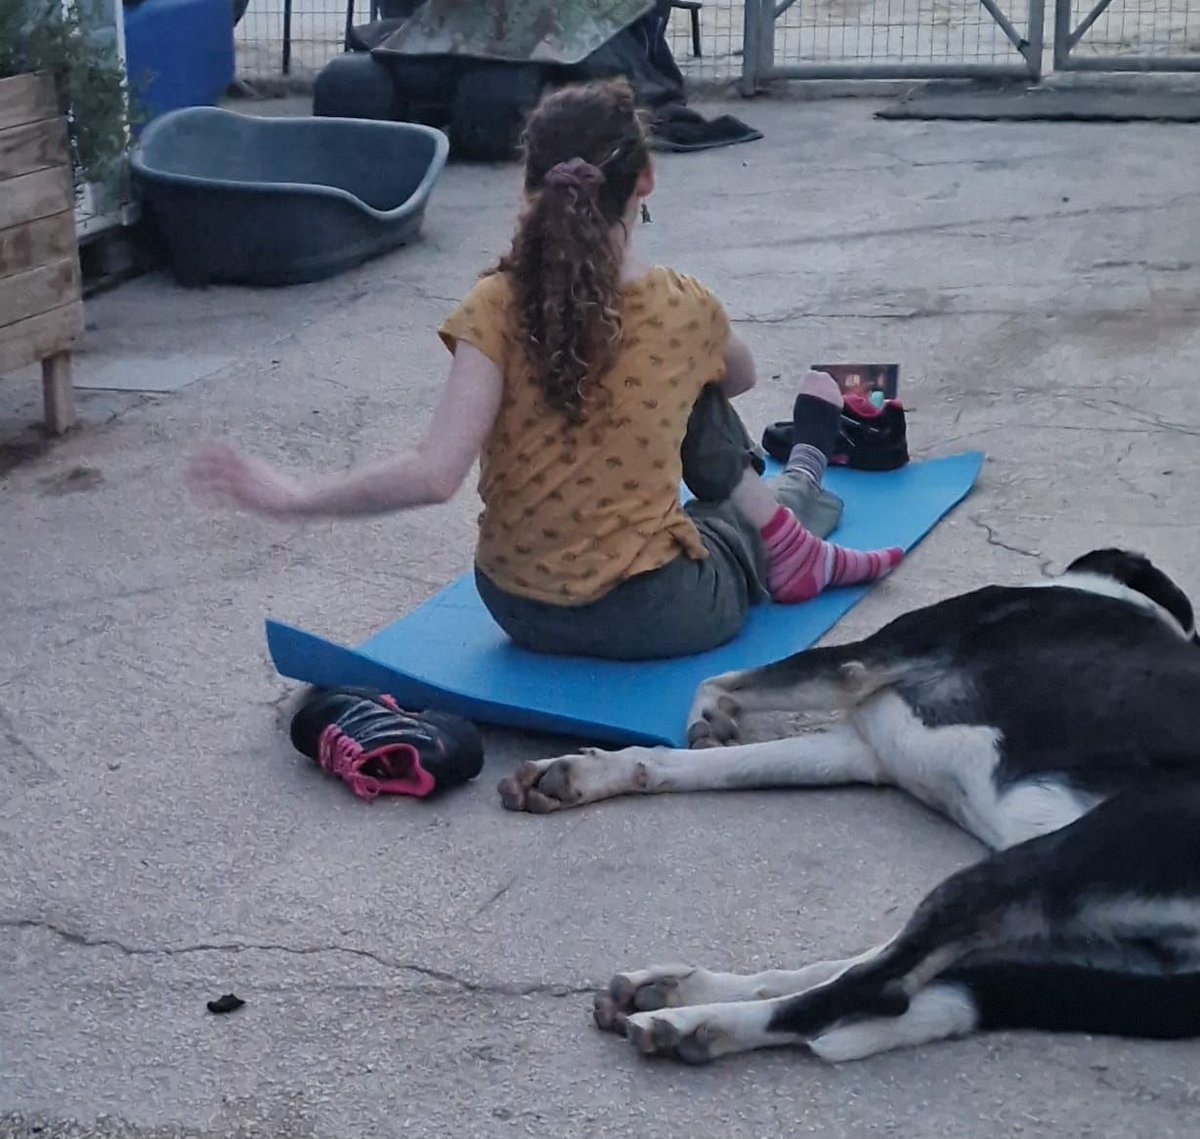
x,y
645,213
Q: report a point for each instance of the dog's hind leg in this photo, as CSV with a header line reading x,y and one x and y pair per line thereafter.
x,y
892,997
826,680
700,1034
817,759
675,986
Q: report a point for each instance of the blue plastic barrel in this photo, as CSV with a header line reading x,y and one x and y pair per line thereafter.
x,y
178,53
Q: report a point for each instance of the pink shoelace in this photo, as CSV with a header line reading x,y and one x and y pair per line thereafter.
x,y
344,757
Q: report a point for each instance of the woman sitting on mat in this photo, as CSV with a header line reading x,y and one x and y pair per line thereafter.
x,y
588,383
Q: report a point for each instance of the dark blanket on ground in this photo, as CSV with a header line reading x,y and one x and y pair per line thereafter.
x,y
641,54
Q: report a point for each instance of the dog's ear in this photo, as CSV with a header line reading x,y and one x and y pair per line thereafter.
x,y
1142,575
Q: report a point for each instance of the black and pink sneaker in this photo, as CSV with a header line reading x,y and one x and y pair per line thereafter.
x,y
377,748
869,438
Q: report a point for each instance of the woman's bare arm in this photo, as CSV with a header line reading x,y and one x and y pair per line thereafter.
x,y
431,473
740,375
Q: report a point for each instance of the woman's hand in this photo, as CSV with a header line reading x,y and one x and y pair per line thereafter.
x,y
432,473
217,474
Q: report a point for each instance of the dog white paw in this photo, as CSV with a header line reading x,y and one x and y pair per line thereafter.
x,y
679,1034
641,990
542,786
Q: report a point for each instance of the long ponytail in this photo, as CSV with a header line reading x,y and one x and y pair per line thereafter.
x,y
584,151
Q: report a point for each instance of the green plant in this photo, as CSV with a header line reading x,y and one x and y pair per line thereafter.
x,y
57,37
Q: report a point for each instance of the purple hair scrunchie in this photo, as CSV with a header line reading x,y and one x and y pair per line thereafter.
x,y
575,174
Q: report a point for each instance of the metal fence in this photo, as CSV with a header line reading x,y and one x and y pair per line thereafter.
x,y
758,40
1127,35
892,39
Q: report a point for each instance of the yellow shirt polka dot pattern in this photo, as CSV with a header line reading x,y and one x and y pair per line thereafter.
x,y
570,513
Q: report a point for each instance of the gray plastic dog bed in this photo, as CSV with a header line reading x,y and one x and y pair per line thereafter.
x,y
277,201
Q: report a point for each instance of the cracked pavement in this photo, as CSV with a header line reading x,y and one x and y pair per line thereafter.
x,y
422,969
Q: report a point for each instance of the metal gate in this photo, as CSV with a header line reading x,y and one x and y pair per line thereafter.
x,y
1127,35
891,39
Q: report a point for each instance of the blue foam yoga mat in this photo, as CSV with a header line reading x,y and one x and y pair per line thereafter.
x,y
449,654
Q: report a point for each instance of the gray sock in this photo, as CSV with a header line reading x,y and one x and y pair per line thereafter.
x,y
808,460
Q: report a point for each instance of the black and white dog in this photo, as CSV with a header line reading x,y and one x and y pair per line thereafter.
x,y
1059,724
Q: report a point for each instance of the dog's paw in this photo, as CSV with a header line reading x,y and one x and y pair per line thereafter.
x,y
713,721
678,1034
642,990
541,786
544,785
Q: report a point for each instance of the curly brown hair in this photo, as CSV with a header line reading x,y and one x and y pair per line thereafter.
x,y
585,147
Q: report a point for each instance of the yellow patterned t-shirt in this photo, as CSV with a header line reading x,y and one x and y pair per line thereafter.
x,y
571,512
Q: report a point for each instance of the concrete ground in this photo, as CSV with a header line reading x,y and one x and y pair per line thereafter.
x,y
424,969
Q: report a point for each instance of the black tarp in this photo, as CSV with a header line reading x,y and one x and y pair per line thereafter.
x,y
639,52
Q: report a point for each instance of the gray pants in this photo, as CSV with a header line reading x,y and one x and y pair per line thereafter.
x,y
686,606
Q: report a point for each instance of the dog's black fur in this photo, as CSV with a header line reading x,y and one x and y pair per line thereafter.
x,y
1080,686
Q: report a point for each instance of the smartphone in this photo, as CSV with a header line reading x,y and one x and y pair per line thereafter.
x,y
864,379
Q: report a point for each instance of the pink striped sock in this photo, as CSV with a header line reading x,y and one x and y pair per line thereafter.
x,y
800,565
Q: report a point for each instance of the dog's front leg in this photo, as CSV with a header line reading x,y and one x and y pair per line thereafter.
x,y
817,759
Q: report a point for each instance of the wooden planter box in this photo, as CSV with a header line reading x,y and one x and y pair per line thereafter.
x,y
41,305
